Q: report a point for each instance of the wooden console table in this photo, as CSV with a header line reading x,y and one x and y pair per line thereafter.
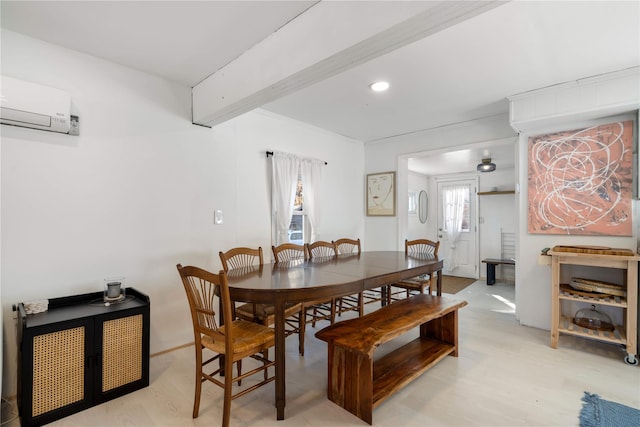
x,y
356,382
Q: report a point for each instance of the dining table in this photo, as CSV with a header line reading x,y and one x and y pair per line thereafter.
x,y
284,283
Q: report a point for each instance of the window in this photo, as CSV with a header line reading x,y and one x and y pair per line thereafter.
x,y
298,219
452,196
289,174
464,228
296,228
413,204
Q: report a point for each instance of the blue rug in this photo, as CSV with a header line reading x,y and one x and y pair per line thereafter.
x,y
597,412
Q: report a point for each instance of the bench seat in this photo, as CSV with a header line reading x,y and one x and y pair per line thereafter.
x,y
359,383
491,267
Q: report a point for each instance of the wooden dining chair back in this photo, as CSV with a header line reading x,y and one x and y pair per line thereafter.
x,y
235,340
417,247
314,311
321,249
242,257
348,246
421,247
289,252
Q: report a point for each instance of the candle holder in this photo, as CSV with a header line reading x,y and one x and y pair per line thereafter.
x,y
114,289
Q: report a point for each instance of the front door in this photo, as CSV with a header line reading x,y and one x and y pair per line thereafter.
x,y
465,244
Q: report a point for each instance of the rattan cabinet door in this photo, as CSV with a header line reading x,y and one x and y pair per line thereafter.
x,y
123,351
57,374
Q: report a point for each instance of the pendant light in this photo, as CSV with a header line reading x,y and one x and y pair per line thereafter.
x,y
486,165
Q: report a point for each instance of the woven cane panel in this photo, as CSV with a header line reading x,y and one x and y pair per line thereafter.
x,y
121,352
58,370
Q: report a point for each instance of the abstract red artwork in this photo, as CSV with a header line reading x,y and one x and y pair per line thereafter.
x,y
580,181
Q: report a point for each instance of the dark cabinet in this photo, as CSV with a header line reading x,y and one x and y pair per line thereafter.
x,y
80,353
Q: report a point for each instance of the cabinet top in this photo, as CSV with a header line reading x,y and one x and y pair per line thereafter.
x,y
79,307
611,253
588,250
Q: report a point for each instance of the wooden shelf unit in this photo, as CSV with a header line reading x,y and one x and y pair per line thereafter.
x,y
491,193
625,334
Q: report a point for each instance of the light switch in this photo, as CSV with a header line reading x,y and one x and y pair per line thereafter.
x,y
217,217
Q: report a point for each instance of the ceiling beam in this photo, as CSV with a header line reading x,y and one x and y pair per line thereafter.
x,y
327,39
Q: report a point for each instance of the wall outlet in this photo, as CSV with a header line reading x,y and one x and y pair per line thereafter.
x,y
217,217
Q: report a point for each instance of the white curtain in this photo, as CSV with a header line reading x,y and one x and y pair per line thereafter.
x,y
284,179
453,204
311,172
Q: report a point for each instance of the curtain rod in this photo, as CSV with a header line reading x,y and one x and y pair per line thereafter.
x,y
270,153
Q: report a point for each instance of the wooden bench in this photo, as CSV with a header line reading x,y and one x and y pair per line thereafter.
x,y
357,382
491,267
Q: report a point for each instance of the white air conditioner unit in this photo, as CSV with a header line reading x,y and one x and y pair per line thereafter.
x,y
34,106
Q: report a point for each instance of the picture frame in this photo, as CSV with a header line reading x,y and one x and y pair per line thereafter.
x,y
381,194
580,181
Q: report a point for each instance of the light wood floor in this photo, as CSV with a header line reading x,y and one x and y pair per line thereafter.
x,y
506,375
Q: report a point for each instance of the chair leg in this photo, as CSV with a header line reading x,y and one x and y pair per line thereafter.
x,y
302,323
361,304
228,383
198,390
333,311
265,355
239,368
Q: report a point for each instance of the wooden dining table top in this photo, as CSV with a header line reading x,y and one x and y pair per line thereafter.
x,y
304,280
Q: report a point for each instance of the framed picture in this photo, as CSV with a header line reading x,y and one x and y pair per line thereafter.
x,y
381,194
580,181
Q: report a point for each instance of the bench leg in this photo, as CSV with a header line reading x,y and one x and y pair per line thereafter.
x,y
350,381
491,274
443,329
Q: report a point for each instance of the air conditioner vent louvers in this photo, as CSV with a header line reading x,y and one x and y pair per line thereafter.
x,y
34,106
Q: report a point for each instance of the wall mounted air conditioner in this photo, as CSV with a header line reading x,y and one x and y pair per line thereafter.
x,y
34,106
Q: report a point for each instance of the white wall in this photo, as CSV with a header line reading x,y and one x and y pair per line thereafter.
x,y
415,229
386,232
497,212
533,283
573,105
134,194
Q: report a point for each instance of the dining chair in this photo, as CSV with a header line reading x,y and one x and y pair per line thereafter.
x,y
320,251
418,247
346,246
242,257
291,252
232,342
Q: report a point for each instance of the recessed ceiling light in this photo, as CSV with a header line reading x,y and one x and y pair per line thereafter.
x,y
379,86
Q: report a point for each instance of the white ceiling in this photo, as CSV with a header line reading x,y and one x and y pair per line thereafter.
x,y
461,73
